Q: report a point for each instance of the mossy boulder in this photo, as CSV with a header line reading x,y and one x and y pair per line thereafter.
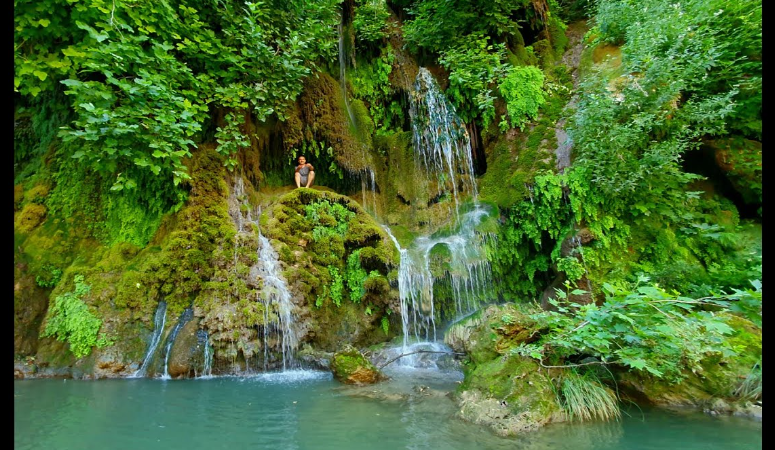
x,y
491,332
350,367
509,393
186,357
314,249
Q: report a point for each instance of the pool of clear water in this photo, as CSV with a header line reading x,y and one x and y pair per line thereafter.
x,y
310,410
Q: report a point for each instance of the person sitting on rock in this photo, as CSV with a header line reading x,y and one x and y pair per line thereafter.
x,y
305,173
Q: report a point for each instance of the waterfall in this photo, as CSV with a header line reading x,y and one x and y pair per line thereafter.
x,y
342,71
278,331
369,191
441,142
443,147
185,316
207,367
158,323
468,276
275,292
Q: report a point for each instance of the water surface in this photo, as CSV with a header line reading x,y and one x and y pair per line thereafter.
x,y
310,410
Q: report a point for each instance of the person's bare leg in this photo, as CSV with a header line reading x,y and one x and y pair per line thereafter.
x,y
310,178
297,177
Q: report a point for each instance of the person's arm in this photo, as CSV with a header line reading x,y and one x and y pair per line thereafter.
x,y
310,166
297,168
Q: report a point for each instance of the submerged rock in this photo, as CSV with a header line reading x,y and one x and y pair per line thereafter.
x,y
350,367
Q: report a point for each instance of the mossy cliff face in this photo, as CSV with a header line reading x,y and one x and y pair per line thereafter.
x,y
198,260
509,393
126,282
317,263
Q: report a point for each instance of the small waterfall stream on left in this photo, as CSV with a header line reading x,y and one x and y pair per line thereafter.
x,y
158,321
279,331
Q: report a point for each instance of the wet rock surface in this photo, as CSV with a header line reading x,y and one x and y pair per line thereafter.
x,y
350,367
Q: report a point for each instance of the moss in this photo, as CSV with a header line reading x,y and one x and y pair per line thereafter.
x,y
30,217
545,52
557,36
321,108
307,261
351,367
37,194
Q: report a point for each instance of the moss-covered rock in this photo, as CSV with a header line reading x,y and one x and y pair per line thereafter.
x,y
314,248
186,357
504,391
350,367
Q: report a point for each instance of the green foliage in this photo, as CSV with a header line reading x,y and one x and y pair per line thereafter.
x,y
49,276
474,65
644,328
141,78
370,20
355,275
692,70
532,225
572,268
522,88
336,289
329,219
385,324
370,82
435,24
583,397
70,320
231,139
111,215
751,387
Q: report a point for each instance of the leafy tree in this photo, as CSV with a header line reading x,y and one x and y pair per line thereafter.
x,y
143,77
370,20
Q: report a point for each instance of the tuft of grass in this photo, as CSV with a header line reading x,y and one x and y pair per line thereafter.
x,y
583,397
751,387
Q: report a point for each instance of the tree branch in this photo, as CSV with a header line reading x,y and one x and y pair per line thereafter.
x,y
417,351
565,366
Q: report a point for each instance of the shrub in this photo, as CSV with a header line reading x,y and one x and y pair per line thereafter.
x,y
70,320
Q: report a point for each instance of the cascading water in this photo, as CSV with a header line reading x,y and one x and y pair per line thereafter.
x,y
185,316
441,142
468,275
442,146
158,323
342,71
369,192
275,292
279,330
207,364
